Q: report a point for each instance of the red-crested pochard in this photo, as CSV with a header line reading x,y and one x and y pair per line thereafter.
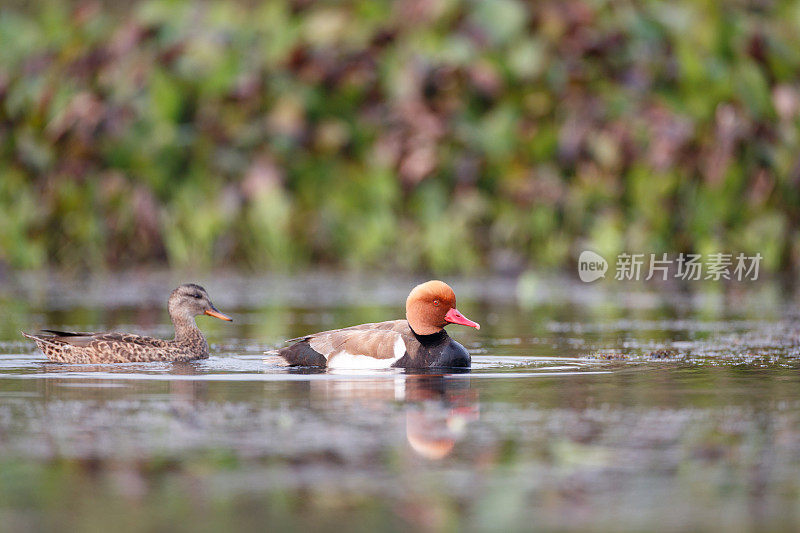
x,y
420,341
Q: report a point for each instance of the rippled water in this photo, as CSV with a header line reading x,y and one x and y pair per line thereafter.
x,y
587,407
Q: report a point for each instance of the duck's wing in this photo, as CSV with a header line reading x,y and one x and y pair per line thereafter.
x,y
376,345
61,338
58,333
130,338
399,326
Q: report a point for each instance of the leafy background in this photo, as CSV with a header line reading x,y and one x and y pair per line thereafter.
x,y
415,134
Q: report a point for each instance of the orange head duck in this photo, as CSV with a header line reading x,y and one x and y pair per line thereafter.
x,y
419,341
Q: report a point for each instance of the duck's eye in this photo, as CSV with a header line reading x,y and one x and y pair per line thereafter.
x,y
196,295
436,302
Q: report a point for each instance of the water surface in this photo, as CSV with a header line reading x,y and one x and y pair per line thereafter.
x,y
589,407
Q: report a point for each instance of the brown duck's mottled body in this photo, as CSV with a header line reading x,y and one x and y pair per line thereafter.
x,y
185,302
65,347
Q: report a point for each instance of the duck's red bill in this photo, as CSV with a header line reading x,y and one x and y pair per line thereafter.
x,y
217,314
454,317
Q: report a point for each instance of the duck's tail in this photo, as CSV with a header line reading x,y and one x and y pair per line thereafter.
x,y
39,339
273,357
31,337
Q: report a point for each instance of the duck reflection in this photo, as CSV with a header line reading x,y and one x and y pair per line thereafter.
x,y
438,414
438,407
104,380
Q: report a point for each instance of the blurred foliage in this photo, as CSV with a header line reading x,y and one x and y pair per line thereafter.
x,y
415,134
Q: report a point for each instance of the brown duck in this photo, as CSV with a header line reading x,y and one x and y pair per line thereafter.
x,y
419,341
185,303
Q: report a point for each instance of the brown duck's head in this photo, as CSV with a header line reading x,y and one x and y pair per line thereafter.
x,y
190,300
431,306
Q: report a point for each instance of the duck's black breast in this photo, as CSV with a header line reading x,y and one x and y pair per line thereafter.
x,y
432,351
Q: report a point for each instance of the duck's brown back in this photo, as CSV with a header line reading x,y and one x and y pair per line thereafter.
x,y
384,342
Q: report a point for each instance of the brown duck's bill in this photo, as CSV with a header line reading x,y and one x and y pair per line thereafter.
x,y
454,317
217,314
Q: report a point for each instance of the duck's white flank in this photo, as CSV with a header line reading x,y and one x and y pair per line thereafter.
x,y
347,360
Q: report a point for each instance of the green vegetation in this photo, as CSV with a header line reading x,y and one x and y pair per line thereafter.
x,y
428,134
